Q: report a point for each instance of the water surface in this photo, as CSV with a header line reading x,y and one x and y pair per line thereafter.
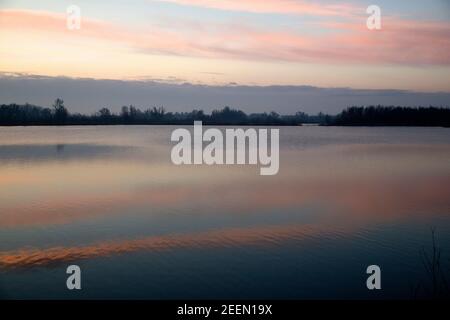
x,y
108,199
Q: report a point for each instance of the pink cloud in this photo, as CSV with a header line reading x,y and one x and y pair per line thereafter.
x,y
41,22
399,42
297,7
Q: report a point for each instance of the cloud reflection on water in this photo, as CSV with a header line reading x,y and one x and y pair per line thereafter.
x,y
272,235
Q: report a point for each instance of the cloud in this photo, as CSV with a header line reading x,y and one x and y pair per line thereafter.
x,y
296,7
54,24
400,42
88,95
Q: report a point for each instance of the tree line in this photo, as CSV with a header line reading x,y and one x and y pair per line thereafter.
x,y
57,114
17,115
393,116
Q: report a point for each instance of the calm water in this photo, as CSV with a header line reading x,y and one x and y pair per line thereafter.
x,y
109,200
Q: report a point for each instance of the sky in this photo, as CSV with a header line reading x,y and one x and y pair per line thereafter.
x,y
219,44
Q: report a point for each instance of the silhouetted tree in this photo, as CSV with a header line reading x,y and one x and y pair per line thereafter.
x,y
60,112
104,113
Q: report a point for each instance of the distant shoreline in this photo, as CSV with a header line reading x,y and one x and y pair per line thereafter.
x,y
365,116
221,125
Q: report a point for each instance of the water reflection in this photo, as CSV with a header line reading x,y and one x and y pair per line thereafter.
x,y
60,152
267,236
88,194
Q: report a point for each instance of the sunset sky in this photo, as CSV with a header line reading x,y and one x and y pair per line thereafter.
x,y
322,43
228,42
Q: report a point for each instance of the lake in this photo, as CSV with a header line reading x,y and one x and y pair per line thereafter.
x,y
109,199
